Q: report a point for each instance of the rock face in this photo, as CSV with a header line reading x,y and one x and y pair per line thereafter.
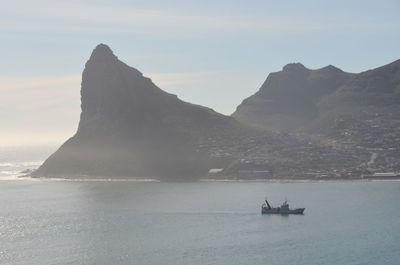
x,y
371,96
288,99
376,88
131,128
299,99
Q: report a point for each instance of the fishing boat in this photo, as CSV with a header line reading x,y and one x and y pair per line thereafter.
x,y
266,208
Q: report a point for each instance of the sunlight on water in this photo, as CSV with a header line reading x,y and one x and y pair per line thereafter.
x,y
61,222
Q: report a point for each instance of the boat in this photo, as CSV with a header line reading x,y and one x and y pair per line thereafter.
x,y
283,209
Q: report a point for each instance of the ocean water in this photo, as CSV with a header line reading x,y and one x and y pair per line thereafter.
x,y
78,222
14,160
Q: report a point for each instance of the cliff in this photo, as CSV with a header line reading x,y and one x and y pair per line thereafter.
x,y
130,128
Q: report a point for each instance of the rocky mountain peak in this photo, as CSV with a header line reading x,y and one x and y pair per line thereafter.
x,y
130,128
102,53
294,67
330,69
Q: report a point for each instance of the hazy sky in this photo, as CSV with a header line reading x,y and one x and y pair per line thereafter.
x,y
213,53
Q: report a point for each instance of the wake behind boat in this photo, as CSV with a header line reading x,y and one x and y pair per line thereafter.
x,y
284,209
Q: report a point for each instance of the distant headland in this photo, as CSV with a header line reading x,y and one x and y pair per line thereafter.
x,y
302,123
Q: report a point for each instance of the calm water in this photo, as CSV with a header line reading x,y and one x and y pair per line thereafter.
x,y
60,222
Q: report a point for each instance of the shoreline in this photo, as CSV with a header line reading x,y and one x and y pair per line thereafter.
x,y
299,180
230,180
85,179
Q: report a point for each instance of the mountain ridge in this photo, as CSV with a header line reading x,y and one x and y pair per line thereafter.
x,y
288,98
131,128
298,98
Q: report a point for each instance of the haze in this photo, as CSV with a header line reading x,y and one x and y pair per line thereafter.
x,y
213,54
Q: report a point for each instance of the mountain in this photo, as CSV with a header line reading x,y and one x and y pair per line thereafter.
x,y
325,100
288,99
131,128
364,111
372,93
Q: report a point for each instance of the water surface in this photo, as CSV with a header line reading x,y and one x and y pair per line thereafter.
x,y
64,222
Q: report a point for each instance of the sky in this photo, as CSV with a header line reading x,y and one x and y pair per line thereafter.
x,y
213,53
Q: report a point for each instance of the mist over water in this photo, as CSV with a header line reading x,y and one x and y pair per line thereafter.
x,y
61,222
14,160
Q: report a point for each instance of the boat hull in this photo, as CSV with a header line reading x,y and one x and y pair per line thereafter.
x,y
281,211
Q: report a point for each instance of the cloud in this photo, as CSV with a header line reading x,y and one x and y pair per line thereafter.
x,y
10,83
84,17
25,138
38,109
37,92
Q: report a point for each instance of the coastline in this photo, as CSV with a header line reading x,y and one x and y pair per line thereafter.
x,y
84,179
205,179
298,180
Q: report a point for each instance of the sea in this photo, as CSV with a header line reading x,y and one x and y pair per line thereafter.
x,y
205,222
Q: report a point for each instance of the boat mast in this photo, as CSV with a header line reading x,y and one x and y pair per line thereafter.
x,y
269,206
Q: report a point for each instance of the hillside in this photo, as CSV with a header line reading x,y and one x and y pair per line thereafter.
x,y
131,128
298,99
288,100
371,95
